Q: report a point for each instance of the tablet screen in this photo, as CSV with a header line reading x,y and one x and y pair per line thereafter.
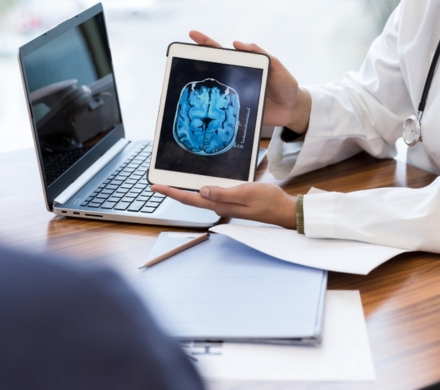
x,y
209,119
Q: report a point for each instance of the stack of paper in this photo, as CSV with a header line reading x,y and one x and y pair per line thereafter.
x,y
235,286
224,290
343,355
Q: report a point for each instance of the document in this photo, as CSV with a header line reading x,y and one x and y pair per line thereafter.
x,y
344,354
221,289
330,254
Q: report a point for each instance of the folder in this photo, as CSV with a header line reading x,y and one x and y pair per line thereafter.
x,y
224,290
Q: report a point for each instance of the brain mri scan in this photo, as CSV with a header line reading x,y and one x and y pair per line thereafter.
x,y
207,118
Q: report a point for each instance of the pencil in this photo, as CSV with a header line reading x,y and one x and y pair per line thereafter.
x,y
176,250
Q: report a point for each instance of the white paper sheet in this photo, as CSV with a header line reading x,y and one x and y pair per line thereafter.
x,y
344,354
333,255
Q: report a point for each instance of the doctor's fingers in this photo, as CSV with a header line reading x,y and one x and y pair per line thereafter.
x,y
189,198
238,195
254,48
202,39
256,197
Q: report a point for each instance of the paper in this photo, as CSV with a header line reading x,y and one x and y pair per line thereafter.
x,y
222,289
333,255
344,354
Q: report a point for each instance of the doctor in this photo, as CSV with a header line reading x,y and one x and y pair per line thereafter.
x,y
395,93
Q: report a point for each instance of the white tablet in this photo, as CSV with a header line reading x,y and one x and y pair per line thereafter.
x,y
210,117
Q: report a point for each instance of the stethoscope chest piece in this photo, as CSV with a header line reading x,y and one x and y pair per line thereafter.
x,y
412,130
412,127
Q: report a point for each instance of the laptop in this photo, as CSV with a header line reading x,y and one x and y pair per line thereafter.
x,y
88,168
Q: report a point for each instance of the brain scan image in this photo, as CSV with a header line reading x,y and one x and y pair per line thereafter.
x,y
207,118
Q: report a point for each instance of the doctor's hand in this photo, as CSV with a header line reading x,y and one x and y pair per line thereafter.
x,y
286,103
257,201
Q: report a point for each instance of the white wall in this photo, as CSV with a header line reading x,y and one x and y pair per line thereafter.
x,y
317,40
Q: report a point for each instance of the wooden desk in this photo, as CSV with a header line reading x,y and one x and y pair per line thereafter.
x,y
401,298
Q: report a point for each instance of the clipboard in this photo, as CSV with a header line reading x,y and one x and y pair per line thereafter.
x,y
221,289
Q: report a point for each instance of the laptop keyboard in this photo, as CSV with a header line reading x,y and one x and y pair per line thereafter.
x,y
55,164
127,188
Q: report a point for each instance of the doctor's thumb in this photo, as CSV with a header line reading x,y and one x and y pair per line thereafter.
x,y
217,194
205,192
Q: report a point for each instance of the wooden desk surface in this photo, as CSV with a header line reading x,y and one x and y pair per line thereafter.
x,y
401,298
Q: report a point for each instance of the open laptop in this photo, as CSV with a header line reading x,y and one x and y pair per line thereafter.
x,y
88,168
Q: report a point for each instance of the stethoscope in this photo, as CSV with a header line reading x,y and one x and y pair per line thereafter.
x,y
412,127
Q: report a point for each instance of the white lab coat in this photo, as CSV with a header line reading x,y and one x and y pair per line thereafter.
x,y
365,111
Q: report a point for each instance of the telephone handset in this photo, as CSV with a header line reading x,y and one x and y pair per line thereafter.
x,y
68,115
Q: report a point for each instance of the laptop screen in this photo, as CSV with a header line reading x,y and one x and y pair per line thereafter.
x,y
71,92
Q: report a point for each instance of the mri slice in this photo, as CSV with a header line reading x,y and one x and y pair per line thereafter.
x,y
206,120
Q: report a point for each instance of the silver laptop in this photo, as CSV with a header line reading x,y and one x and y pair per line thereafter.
x,y
88,168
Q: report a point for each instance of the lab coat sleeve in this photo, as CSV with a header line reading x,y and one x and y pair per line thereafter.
x,y
399,217
364,111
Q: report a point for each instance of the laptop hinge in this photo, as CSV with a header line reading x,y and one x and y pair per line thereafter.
x,y
91,172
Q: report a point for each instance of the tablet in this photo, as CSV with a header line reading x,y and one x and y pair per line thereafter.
x,y
210,117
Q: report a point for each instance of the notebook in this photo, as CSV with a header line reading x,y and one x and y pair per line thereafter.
x,y
221,289
88,168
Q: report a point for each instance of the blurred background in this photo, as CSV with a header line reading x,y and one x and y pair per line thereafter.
x,y
317,40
